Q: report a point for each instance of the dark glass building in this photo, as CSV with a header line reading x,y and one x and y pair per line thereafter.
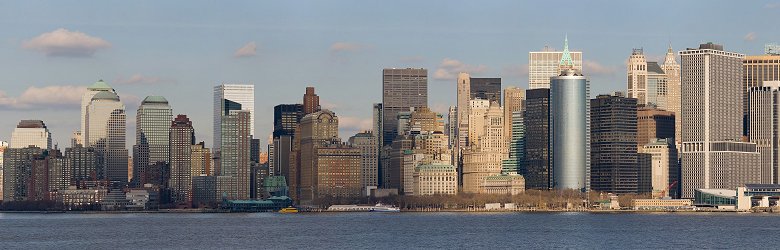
x,y
537,147
401,90
613,145
486,89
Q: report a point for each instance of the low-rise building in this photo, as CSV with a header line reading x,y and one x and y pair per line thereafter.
x,y
511,184
80,199
661,204
436,178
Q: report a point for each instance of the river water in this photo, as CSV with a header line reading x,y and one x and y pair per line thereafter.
x,y
389,230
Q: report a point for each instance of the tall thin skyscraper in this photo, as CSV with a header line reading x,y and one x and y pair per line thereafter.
x,y
286,118
369,151
545,64
765,127
637,76
31,133
712,93
181,136
241,94
569,123
311,101
537,148
152,122
401,89
672,70
236,147
613,144
316,129
106,131
514,101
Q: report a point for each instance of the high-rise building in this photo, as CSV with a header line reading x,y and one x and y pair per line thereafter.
x,y
485,88
537,147
657,93
613,147
151,135
376,122
47,175
286,119
366,142
181,141
463,105
545,64
3,147
17,165
569,126
764,117
236,93
337,171
93,89
515,163
82,163
435,178
758,70
487,148
653,123
514,101
201,160
452,125
637,76
401,89
235,150
673,102
311,101
712,92
424,119
315,129
658,170
31,133
106,131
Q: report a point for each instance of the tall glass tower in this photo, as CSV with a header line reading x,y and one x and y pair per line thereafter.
x,y
152,122
569,113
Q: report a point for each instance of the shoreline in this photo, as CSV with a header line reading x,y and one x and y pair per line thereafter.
x,y
197,211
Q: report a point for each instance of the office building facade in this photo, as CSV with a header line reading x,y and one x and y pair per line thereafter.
x,y
613,146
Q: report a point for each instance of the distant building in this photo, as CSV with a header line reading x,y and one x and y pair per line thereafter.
x,y
86,99
545,64
758,70
243,94
366,142
106,130
201,160
537,148
311,101
151,135
235,150
514,102
17,169
82,162
509,184
486,89
486,148
653,123
673,101
31,133
337,171
286,119
436,178
637,76
3,147
181,140
658,169
401,89
764,118
315,130
204,190
613,147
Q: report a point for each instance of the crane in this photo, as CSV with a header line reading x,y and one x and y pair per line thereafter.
x,y
663,193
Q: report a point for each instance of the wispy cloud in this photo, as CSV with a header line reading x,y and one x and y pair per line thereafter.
x,y
351,125
342,47
66,43
248,50
449,69
49,97
772,5
750,37
412,59
596,68
139,79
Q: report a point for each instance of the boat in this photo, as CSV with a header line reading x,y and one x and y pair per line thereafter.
x,y
289,210
379,207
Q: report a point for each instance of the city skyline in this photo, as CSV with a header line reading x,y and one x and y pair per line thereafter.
x,y
323,47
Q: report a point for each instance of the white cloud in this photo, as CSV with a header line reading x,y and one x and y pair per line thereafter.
x,y
750,37
329,105
49,97
352,125
66,43
139,79
596,68
248,50
449,69
342,47
772,5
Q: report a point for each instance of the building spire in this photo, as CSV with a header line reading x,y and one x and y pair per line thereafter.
x,y
566,57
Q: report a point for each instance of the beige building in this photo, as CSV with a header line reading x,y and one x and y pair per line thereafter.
x,y
368,145
436,178
315,129
106,130
658,168
487,148
423,119
637,76
201,160
672,70
338,171
514,100
511,184
545,64
661,204
763,116
759,69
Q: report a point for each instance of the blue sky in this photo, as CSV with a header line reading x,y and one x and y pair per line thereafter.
x,y
181,49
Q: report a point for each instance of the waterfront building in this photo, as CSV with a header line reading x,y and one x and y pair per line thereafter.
x,y
86,99
3,147
17,165
235,150
74,199
82,163
613,144
31,133
712,93
401,89
673,101
337,171
182,137
366,142
546,63
106,130
204,190
151,135
537,148
435,178
487,147
764,116
653,123
315,130
659,173
505,184
569,126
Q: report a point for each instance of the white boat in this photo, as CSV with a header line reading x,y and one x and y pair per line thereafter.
x,y
362,208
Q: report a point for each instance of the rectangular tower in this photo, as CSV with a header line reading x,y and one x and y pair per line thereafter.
x,y
401,90
544,64
613,144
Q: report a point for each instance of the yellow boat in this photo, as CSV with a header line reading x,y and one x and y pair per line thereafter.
x,y
289,210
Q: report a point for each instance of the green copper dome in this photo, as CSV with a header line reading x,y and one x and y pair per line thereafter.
x,y
100,85
105,95
154,99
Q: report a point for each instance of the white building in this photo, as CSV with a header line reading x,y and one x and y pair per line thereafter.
x,y
106,130
369,151
436,178
100,85
241,94
487,148
764,127
31,132
545,64
672,70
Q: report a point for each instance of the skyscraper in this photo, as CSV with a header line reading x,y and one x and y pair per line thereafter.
x,y
487,148
106,131
545,64
515,163
569,123
181,141
514,101
286,119
452,125
316,129
658,169
86,98
672,70
235,150
485,88
311,101
537,147
401,89
237,93
376,122
637,76
366,142
654,124
3,147
757,70
31,133
152,122
712,93
82,163
463,106
613,144
657,87
201,160
764,126
17,167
